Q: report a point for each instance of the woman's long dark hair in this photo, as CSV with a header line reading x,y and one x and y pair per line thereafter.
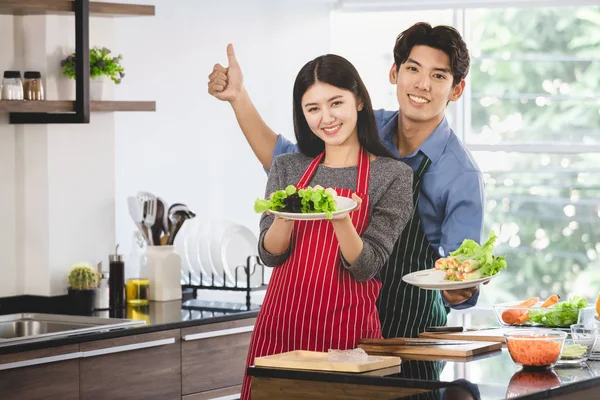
x,y
339,72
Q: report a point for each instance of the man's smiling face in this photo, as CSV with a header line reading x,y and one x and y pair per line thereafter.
x,y
424,84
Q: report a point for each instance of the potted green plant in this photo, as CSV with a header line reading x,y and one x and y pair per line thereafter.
x,y
103,67
83,283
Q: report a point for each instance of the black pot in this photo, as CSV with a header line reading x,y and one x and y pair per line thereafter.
x,y
81,302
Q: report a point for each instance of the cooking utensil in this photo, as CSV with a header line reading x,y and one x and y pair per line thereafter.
x,y
411,342
157,226
473,335
136,212
165,217
149,206
444,329
178,214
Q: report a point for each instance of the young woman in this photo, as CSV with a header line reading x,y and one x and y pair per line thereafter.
x,y
323,291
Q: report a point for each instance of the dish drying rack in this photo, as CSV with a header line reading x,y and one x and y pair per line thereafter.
x,y
253,264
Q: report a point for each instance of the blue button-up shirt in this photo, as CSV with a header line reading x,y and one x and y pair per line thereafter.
x,y
451,202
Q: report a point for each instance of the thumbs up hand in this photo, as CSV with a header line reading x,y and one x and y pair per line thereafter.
x,y
225,83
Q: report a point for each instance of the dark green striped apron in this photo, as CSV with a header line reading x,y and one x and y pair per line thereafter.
x,y
405,310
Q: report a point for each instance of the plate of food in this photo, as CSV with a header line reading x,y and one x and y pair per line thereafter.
x,y
308,204
469,266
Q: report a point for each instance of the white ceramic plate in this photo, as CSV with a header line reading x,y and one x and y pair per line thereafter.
x,y
344,204
204,254
231,244
186,248
434,280
180,249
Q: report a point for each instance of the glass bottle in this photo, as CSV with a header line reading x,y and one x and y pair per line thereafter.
x,y
12,86
32,86
116,281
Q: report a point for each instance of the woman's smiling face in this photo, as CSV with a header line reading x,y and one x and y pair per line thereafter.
x,y
331,113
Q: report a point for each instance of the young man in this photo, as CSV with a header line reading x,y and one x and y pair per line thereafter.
x,y
430,64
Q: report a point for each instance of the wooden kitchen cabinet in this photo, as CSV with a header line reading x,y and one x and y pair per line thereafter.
x,y
145,366
48,374
213,358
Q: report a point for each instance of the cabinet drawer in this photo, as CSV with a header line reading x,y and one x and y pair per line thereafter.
x,y
41,374
214,356
219,394
146,366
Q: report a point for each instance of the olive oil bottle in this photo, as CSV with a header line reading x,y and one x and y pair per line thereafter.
x,y
138,290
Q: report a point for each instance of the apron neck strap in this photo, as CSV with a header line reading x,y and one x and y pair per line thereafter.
x,y
363,173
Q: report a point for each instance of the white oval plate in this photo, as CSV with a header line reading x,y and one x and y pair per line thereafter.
x,y
236,244
344,204
434,280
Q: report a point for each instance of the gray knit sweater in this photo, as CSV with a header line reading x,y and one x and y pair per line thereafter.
x,y
390,193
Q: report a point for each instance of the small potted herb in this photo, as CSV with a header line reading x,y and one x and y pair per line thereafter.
x,y
83,283
103,66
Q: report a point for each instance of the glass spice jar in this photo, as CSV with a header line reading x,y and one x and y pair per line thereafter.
x,y
12,86
32,86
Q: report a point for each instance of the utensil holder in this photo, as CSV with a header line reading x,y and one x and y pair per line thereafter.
x,y
164,268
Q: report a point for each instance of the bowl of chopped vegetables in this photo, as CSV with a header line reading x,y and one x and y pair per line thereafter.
x,y
578,344
535,348
533,312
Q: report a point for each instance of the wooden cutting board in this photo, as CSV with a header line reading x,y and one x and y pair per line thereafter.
x,y
453,350
484,335
314,360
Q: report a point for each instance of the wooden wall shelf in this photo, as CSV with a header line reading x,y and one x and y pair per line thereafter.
x,y
59,7
62,106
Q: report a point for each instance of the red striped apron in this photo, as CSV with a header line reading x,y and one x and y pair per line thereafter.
x,y
312,302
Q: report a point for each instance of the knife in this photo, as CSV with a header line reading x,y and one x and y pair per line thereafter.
x,y
412,342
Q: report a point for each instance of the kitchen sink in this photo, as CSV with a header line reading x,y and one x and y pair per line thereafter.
x,y
28,327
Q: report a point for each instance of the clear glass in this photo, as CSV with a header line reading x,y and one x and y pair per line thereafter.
x,y
137,290
587,336
535,348
588,317
577,348
33,89
12,89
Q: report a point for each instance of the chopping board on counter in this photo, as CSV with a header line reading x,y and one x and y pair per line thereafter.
x,y
427,347
483,335
315,360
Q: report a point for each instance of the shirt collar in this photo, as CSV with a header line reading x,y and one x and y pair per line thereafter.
x,y
432,147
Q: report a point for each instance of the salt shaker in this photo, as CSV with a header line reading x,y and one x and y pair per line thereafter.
x,y
116,281
103,294
12,86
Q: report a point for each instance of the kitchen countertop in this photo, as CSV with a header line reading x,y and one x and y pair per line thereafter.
x,y
488,377
159,316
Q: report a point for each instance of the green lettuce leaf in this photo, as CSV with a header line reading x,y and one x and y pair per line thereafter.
x,y
312,200
563,314
483,262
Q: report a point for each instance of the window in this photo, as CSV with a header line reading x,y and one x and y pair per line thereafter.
x,y
531,118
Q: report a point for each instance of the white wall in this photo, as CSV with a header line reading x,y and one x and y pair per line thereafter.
x,y
8,188
57,181
189,151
